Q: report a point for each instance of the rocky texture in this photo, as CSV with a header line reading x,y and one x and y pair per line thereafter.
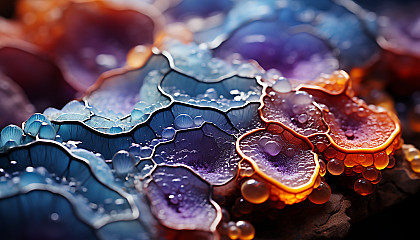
x,y
308,221
395,194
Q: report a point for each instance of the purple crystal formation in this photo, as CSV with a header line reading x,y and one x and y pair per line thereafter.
x,y
139,156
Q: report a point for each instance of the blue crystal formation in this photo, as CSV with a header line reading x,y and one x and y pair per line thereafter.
x,y
133,154
318,37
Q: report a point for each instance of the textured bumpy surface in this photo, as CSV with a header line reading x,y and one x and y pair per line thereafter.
x,y
193,121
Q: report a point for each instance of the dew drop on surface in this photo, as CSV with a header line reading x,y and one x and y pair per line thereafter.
x,y
363,187
335,166
134,149
321,194
272,147
173,199
183,121
145,152
198,120
115,129
168,133
282,85
55,216
302,118
234,232
381,160
106,60
123,162
415,164
412,153
302,98
370,173
247,230
243,206
254,191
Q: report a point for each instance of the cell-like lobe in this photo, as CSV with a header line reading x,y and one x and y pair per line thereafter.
x,y
156,127
305,29
280,157
224,93
181,200
353,125
75,175
36,74
40,214
208,151
294,109
97,35
121,91
300,55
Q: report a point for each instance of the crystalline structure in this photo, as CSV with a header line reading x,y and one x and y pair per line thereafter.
x,y
209,151
55,177
295,109
119,93
198,62
285,160
181,200
237,103
75,177
230,92
265,41
365,134
125,99
274,30
233,122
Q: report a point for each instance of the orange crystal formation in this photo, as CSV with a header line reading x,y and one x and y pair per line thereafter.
x,y
325,119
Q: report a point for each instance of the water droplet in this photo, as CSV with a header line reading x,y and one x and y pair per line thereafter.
x,y
254,191
302,118
145,152
168,133
106,60
115,129
302,98
272,147
282,85
198,120
173,199
183,121
55,216
123,162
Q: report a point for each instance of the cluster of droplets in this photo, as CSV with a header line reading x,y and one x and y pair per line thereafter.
x,y
293,108
179,195
412,155
210,98
198,61
36,127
